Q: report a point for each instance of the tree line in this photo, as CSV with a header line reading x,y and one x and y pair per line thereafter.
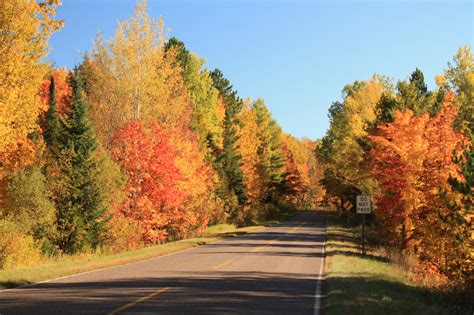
x,y
411,149
139,144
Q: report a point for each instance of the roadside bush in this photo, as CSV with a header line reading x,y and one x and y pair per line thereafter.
x,y
17,248
248,215
110,180
123,235
279,210
29,203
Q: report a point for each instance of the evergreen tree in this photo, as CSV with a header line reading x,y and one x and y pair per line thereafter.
x,y
438,100
72,144
230,159
183,55
271,160
386,108
414,94
461,210
418,80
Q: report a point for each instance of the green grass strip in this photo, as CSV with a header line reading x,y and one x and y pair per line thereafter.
x,y
370,284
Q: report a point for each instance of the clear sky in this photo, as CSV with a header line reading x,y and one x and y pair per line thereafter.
x,y
297,55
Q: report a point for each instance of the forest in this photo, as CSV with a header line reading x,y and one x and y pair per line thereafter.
x,y
411,150
141,144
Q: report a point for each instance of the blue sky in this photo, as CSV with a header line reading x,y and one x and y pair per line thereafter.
x,y
297,55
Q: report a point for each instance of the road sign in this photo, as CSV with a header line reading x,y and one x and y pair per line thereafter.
x,y
348,205
363,207
363,204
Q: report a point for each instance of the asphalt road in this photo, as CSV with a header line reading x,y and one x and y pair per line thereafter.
x,y
275,270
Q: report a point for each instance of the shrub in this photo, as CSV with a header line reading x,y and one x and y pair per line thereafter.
x,y
29,202
123,234
16,247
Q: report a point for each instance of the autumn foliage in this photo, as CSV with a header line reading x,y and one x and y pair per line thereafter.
x,y
152,194
402,147
62,87
141,144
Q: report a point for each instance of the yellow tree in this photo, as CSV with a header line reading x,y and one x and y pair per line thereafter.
x,y
344,149
359,113
460,77
133,77
206,118
26,26
201,205
248,147
130,77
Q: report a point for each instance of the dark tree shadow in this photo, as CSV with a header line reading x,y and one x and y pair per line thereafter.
x,y
192,293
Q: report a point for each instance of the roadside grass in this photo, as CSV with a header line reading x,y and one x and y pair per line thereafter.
x,y
370,284
55,267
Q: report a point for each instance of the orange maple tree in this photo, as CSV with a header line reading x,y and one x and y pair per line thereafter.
x,y
412,159
152,194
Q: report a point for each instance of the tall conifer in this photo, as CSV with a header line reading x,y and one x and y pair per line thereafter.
x,y
230,158
71,140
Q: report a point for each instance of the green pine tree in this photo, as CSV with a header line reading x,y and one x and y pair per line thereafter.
x,y
414,94
229,159
271,159
386,109
72,144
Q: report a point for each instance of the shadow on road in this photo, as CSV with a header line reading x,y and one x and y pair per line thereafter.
x,y
219,292
195,290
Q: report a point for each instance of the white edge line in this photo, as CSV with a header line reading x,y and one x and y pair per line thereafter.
x,y
319,284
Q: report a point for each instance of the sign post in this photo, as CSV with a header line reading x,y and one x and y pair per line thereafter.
x,y
363,207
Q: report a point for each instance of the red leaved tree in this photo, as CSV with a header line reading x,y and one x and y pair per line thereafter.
x,y
397,159
152,194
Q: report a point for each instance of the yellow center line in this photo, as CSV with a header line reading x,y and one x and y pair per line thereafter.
x,y
256,249
142,299
294,229
259,248
225,263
